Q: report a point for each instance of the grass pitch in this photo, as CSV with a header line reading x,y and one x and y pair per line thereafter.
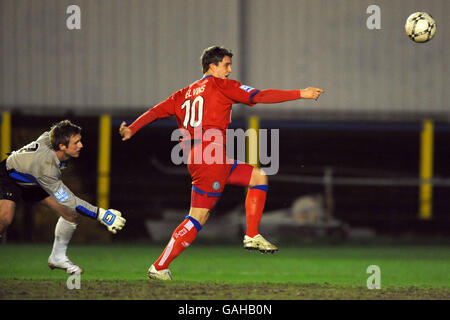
x,y
230,272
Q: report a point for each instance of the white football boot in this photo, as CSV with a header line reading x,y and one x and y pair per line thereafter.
x,y
259,243
164,274
65,264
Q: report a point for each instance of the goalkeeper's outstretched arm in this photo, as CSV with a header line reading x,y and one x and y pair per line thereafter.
x,y
111,218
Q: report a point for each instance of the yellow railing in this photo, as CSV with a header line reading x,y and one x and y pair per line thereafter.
x,y
426,171
5,140
104,161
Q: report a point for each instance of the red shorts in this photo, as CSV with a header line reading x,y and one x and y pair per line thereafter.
x,y
212,172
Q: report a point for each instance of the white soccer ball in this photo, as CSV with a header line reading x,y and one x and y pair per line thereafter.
x,y
420,27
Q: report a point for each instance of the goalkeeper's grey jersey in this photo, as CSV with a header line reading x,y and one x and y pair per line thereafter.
x,y
37,164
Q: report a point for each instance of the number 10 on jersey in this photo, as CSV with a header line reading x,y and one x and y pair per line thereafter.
x,y
194,111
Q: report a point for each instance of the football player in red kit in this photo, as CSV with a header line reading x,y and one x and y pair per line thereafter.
x,y
201,108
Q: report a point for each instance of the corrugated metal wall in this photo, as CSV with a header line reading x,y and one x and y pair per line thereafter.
x,y
366,73
132,54
127,54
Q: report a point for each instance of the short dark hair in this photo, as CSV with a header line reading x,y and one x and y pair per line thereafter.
x,y
61,132
214,55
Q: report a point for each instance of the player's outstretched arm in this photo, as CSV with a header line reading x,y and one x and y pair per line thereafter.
x,y
125,131
311,93
277,96
111,218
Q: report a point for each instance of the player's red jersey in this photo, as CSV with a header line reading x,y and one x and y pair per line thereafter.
x,y
205,104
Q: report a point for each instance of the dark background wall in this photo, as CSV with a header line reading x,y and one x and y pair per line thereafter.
x,y
145,182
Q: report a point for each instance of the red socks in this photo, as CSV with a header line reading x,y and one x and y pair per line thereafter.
x,y
181,238
187,231
254,206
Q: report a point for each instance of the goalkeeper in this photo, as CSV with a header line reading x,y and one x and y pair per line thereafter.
x,y
33,173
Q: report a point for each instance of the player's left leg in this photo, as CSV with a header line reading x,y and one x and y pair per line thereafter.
x,y
255,200
243,174
64,230
254,207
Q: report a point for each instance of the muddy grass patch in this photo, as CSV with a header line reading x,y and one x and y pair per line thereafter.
x,y
15,289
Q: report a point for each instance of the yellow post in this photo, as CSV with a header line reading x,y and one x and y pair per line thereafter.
x,y
5,139
252,147
426,171
104,161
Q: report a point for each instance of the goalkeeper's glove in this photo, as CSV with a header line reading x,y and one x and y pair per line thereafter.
x,y
111,218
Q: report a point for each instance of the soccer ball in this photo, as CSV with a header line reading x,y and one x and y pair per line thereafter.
x,y
420,27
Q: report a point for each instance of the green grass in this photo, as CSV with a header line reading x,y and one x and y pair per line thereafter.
x,y
400,266
344,266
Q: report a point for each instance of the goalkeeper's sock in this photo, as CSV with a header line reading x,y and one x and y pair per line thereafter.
x,y
63,233
181,238
254,206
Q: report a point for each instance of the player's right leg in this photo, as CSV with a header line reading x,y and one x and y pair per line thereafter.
x,y
7,209
208,181
10,194
181,239
64,230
